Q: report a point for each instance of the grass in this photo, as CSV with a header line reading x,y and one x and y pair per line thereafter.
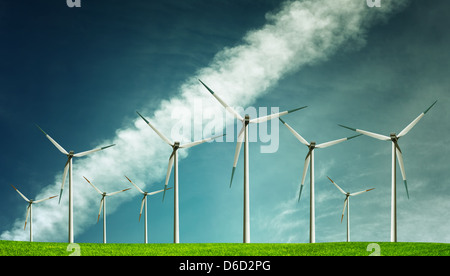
x,y
13,248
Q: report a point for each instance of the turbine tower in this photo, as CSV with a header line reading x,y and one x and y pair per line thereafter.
x,y
103,205
396,154
309,161
173,161
30,210
144,203
68,167
243,135
347,205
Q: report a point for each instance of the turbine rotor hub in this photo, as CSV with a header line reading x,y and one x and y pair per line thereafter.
x,y
394,137
247,119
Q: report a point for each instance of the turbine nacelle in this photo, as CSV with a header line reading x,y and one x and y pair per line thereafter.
x,y
394,137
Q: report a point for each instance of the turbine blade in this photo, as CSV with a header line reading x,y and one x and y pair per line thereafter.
x,y
37,201
340,189
100,210
66,168
169,168
305,167
374,135
26,217
358,193
114,193
92,151
273,116
300,193
332,143
232,175
371,134
402,167
428,109
237,152
61,149
157,131
188,145
299,137
413,123
139,189
343,211
227,107
98,191
159,191
60,195
24,197
164,194
142,206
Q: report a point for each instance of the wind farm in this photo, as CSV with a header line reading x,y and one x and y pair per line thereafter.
x,y
241,138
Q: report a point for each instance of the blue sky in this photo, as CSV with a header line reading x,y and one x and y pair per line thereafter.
x,y
81,74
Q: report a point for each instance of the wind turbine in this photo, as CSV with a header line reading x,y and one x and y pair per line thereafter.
x,y
309,161
347,205
396,153
68,167
103,205
144,203
243,134
173,161
30,210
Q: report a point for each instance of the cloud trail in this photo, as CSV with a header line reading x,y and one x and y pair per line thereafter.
x,y
300,33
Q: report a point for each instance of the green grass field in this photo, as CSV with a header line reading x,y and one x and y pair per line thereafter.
x,y
11,248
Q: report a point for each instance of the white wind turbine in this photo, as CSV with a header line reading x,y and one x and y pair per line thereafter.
x,y
309,161
243,135
347,205
103,205
68,167
173,161
30,210
144,203
396,153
